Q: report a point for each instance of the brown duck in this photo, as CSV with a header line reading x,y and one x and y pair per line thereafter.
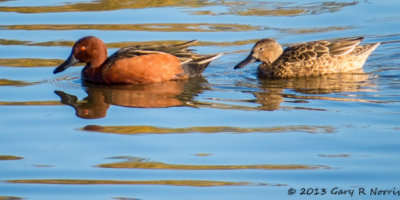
x,y
136,64
309,58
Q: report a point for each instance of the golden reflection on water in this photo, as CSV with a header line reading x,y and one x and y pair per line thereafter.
x,y
31,43
193,183
155,95
104,5
203,154
10,157
10,198
29,103
29,62
163,27
246,8
137,163
7,82
205,129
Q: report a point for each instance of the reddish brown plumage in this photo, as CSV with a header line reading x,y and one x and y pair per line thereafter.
x,y
134,65
149,68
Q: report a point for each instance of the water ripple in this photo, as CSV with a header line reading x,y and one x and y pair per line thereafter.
x,y
66,81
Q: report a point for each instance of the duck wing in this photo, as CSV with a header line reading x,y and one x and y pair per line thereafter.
x,y
311,50
193,63
138,50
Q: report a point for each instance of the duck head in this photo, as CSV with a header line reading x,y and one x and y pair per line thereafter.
x,y
90,50
265,50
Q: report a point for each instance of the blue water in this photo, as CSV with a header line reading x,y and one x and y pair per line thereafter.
x,y
228,135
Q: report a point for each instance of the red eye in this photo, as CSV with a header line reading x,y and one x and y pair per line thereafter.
x,y
82,48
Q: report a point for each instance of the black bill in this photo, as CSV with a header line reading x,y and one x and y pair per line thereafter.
x,y
68,63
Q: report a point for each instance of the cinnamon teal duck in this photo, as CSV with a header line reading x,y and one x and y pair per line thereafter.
x,y
135,64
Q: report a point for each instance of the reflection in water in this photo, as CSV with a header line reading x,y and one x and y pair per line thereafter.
x,y
261,8
10,157
166,27
10,198
7,82
155,95
138,163
298,31
272,94
104,5
194,183
206,129
334,155
258,8
29,62
203,154
29,103
124,198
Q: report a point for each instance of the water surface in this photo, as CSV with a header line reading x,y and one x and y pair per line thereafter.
x,y
226,135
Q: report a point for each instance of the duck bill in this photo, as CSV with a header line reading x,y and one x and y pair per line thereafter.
x,y
68,63
250,59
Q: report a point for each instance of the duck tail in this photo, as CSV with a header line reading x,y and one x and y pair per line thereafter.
x,y
365,50
369,48
195,65
185,45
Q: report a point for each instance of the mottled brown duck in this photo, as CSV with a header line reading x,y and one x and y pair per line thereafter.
x,y
308,58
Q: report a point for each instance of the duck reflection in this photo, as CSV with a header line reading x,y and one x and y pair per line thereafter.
x,y
155,95
272,90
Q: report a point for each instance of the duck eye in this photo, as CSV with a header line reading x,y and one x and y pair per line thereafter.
x,y
82,48
261,48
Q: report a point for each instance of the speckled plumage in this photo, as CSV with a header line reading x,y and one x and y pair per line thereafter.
x,y
310,58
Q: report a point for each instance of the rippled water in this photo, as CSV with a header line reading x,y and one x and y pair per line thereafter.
x,y
227,135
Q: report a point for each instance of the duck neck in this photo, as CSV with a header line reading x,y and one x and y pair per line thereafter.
x,y
100,58
92,70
